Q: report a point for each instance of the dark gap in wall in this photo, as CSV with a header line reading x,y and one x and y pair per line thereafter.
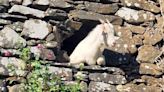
x,y
70,43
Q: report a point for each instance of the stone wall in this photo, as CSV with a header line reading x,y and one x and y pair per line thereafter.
x,y
134,64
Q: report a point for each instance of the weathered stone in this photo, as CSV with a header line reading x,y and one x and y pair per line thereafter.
x,y
137,88
73,24
152,69
134,16
51,44
17,26
16,88
147,54
27,2
42,2
138,39
15,1
101,87
60,4
152,81
8,64
4,22
35,28
137,29
27,11
10,39
42,52
101,8
64,73
12,17
142,4
32,43
107,78
152,36
56,14
81,15
4,2
50,37
161,5
3,86
11,51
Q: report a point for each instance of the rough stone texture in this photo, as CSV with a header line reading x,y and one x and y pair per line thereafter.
x,y
17,26
15,88
12,16
134,16
4,22
60,3
137,88
147,54
27,2
27,11
101,8
56,14
36,29
17,64
4,2
107,78
42,52
15,1
10,39
63,73
42,2
152,69
73,24
101,87
152,36
138,39
142,4
91,16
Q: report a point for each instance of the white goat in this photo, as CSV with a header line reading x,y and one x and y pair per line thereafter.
x,y
89,49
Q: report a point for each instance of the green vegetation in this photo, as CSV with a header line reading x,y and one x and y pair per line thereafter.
x,y
40,80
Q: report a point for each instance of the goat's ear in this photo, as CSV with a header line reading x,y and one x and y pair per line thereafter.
x,y
101,21
109,23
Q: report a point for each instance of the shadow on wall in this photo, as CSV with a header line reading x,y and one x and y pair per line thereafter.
x,y
127,62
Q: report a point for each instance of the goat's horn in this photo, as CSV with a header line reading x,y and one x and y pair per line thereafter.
x,y
101,21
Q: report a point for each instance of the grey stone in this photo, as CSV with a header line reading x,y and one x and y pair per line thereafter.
x,y
12,16
142,4
107,78
32,42
4,22
147,54
17,26
11,51
80,15
42,2
51,44
64,73
137,29
10,39
101,8
27,2
60,4
134,16
4,2
151,69
73,24
56,14
27,11
17,66
81,75
16,1
101,87
35,28
50,37
42,52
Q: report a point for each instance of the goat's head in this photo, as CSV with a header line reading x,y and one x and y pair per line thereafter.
x,y
108,33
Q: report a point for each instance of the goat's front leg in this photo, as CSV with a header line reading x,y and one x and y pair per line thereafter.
x,y
101,60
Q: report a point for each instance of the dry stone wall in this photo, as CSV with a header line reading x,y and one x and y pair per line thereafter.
x,y
134,64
